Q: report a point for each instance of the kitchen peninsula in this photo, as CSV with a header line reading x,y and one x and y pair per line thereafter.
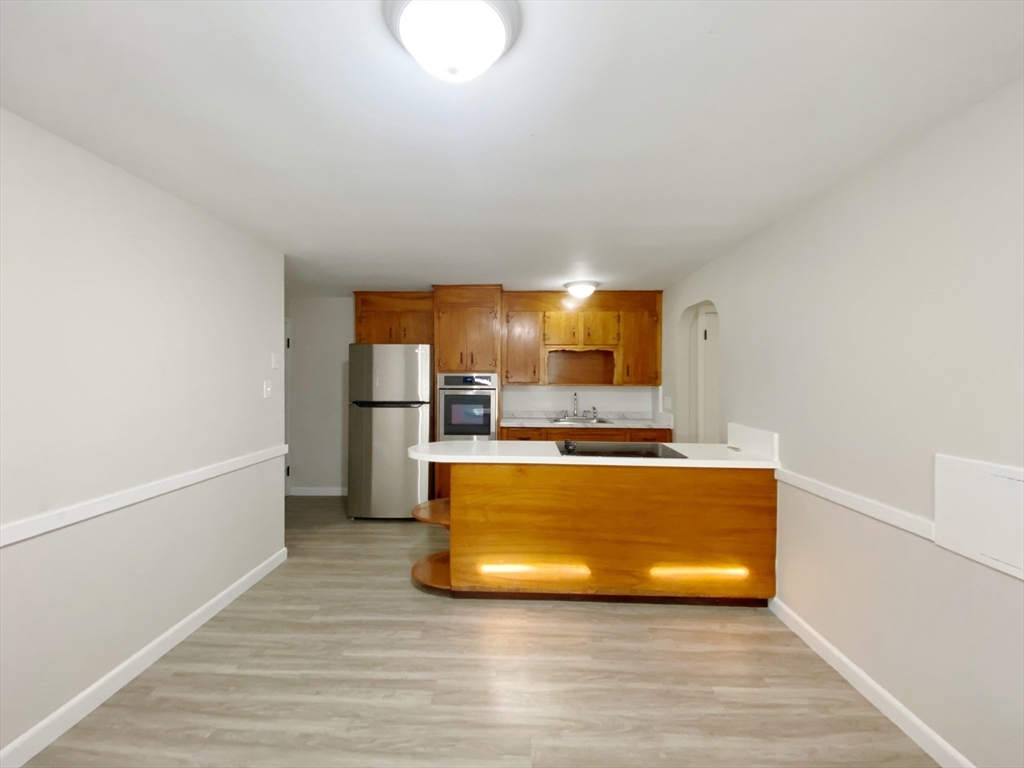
x,y
526,519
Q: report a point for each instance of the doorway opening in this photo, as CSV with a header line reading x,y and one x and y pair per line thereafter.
x,y
698,376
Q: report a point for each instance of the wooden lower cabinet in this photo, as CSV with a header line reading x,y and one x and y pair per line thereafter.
x,y
442,481
589,434
609,530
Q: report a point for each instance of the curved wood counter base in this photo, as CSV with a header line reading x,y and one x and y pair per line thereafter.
x,y
434,571
613,530
437,511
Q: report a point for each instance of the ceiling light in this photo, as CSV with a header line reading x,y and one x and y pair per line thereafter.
x,y
581,288
454,40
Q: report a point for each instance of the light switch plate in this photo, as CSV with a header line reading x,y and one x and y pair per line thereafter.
x,y
275,360
666,403
266,388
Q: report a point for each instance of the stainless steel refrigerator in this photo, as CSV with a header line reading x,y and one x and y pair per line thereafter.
x,y
389,411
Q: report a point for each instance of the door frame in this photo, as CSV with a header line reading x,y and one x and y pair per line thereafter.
x,y
702,328
287,403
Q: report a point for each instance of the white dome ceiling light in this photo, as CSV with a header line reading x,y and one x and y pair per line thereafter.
x,y
581,288
454,40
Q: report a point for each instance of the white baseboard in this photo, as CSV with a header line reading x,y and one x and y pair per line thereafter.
x,y
940,750
48,730
316,490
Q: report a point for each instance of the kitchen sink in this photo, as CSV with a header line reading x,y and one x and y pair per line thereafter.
x,y
579,420
632,450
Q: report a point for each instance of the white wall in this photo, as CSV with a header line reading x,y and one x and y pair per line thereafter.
x,y
879,325
135,334
321,328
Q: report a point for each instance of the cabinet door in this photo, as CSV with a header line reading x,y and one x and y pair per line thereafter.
x,y
450,346
522,347
378,327
481,351
650,435
600,327
417,327
640,348
561,327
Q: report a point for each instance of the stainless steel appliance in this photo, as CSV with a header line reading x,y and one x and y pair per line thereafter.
x,y
632,450
389,411
467,406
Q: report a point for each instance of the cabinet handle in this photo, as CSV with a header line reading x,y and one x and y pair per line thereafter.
x,y
403,333
460,358
390,331
472,358
627,370
535,371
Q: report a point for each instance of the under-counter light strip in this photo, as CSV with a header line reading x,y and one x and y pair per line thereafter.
x,y
580,570
699,572
536,569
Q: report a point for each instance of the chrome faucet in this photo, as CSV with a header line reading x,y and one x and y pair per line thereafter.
x,y
575,405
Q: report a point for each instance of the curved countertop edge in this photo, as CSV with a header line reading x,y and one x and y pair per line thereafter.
x,y
699,455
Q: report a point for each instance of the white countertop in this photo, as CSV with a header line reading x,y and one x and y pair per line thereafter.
x,y
541,423
546,452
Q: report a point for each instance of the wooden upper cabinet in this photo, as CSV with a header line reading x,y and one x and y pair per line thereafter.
x,y
450,349
522,347
573,336
481,338
561,328
467,340
640,348
600,327
394,317
417,327
467,331
378,328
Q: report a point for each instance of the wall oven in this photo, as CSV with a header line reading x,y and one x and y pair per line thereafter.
x,y
467,406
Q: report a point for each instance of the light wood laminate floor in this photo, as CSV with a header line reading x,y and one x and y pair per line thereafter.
x,y
336,659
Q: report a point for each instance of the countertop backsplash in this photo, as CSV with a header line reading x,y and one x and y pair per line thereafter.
x,y
615,415
622,403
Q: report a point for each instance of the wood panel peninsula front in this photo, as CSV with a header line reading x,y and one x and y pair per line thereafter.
x,y
524,519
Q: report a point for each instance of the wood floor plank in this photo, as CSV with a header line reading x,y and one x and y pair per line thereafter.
x,y
337,659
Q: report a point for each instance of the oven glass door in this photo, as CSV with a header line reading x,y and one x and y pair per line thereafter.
x,y
467,414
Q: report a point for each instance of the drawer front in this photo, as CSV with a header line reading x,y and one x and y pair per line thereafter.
x,y
650,435
595,435
522,433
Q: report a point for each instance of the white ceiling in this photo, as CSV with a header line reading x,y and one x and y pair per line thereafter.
x,y
628,142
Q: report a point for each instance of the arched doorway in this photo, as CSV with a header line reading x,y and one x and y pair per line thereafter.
x,y
698,376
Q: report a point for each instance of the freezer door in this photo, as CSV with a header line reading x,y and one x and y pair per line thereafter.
x,y
382,480
394,373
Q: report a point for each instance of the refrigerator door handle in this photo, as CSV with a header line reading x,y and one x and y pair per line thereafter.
x,y
371,404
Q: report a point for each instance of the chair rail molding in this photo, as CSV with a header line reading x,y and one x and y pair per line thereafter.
x,y
898,518
45,522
